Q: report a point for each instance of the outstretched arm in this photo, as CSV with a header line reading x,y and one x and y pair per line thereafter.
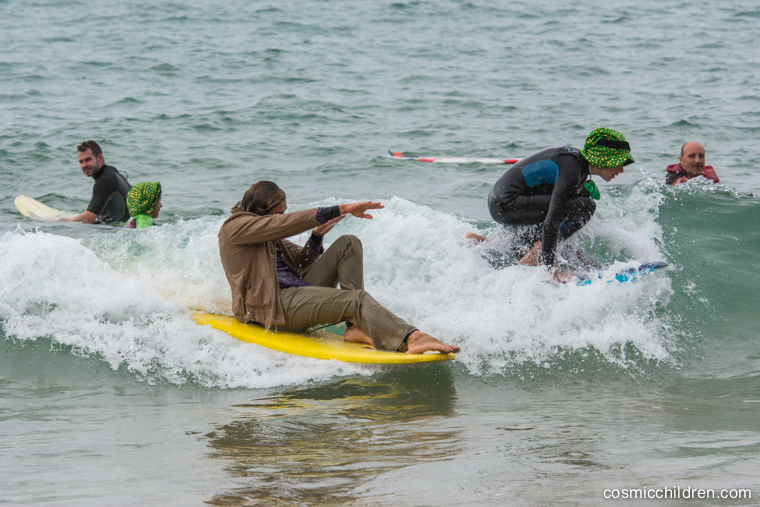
x,y
358,209
87,217
335,214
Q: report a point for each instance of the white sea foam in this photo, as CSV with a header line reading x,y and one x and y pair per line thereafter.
x,y
419,266
124,297
57,288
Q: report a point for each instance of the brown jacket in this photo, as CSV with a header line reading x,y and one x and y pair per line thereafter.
x,y
249,258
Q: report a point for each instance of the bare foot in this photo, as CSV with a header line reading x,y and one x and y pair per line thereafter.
x,y
419,342
532,258
477,238
355,334
563,276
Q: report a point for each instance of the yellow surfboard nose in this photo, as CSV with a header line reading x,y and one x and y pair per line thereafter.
x,y
320,345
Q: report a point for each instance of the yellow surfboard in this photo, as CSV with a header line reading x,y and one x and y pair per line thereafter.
x,y
33,208
322,346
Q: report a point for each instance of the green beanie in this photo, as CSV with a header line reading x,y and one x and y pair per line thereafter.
x,y
142,198
606,148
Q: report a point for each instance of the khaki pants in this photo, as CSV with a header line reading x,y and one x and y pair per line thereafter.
x,y
322,303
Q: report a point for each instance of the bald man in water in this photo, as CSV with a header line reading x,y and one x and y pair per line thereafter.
x,y
691,164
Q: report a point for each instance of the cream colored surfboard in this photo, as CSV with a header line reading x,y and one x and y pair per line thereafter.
x,y
35,209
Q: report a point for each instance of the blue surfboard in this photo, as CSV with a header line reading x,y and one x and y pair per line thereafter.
x,y
624,275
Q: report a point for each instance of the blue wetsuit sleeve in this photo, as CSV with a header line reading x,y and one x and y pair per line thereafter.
x,y
569,174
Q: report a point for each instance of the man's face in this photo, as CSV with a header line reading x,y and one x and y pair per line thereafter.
x,y
693,159
89,163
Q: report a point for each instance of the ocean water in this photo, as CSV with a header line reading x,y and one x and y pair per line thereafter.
x,y
110,394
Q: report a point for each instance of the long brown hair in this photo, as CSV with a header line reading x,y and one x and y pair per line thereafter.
x,y
260,198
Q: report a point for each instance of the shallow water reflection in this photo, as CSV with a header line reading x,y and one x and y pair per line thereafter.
x,y
317,445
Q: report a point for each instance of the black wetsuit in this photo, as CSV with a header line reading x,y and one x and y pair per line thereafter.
x,y
109,196
543,189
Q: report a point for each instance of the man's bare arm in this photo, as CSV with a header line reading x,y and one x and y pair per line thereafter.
x,y
87,217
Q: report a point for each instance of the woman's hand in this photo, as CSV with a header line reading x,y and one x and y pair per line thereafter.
x,y
359,209
325,228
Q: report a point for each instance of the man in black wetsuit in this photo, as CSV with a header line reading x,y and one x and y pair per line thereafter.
x,y
109,194
551,190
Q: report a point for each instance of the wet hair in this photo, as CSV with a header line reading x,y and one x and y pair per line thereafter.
x,y
90,145
260,198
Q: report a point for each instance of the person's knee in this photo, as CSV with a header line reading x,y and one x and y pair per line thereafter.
x,y
497,213
582,207
591,206
351,239
351,242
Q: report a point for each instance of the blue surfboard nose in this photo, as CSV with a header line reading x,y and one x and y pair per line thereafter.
x,y
626,275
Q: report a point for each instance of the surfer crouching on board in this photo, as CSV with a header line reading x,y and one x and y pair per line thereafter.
x,y
552,193
278,283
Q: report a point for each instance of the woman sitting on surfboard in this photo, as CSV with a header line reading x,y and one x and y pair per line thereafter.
x,y
551,191
278,283
144,203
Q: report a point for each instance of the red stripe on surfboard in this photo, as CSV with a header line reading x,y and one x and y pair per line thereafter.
x,y
433,159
